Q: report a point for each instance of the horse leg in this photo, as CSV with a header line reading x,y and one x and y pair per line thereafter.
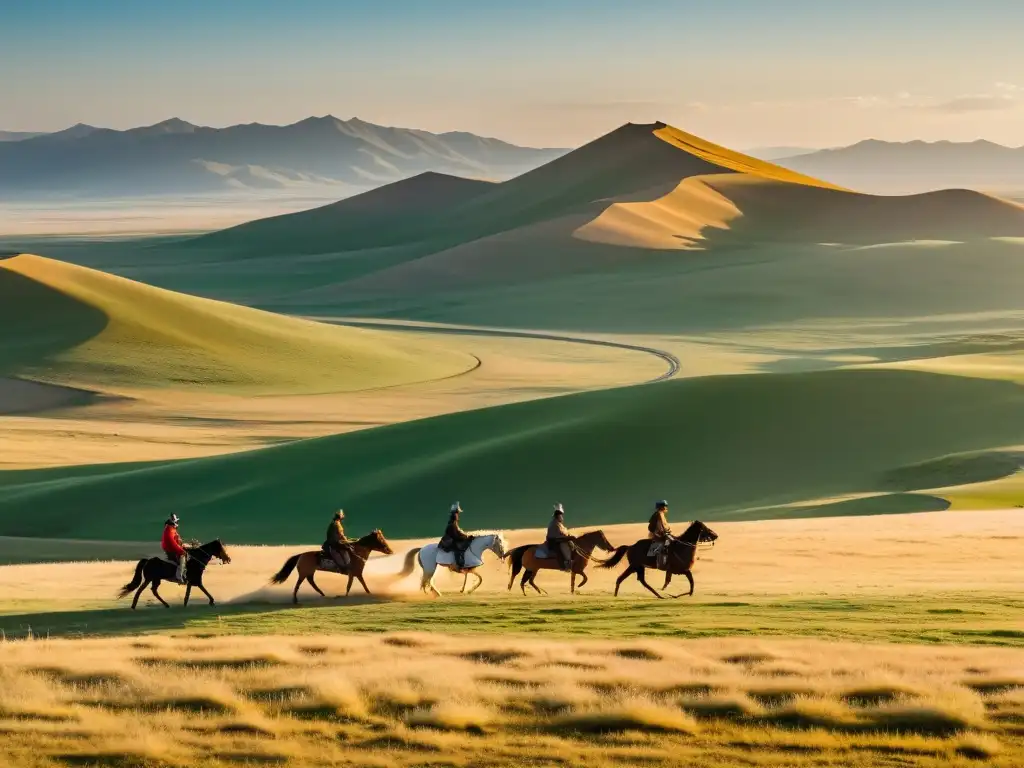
x,y
668,579
188,593
465,581
152,589
295,593
689,576
625,574
533,575
313,584
515,572
348,589
366,589
653,591
205,592
572,584
479,581
135,602
583,575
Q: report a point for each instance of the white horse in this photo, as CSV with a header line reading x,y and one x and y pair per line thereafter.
x,y
431,558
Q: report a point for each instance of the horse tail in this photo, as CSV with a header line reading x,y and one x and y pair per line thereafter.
x,y
615,559
286,570
410,562
515,557
135,583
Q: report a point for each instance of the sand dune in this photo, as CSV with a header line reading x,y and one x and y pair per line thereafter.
x,y
723,209
91,329
613,204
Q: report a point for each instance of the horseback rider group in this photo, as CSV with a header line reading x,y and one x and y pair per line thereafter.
x,y
338,547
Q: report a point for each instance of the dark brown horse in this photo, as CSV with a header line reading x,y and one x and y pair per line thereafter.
x,y
525,557
681,554
156,569
315,560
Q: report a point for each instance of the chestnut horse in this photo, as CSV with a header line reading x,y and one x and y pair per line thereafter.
x,y
681,554
310,562
525,557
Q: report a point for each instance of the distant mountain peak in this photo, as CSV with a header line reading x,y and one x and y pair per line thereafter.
x,y
171,125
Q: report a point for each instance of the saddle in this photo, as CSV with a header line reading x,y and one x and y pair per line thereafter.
x,y
326,563
448,545
658,544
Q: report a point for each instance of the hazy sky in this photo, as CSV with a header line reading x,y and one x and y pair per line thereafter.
x,y
541,72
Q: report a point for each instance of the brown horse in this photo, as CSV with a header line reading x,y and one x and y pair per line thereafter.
x,y
310,562
525,557
681,554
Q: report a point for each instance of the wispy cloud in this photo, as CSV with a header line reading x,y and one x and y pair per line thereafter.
x,y
1002,96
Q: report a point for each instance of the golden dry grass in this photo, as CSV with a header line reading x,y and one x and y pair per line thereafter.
x,y
408,700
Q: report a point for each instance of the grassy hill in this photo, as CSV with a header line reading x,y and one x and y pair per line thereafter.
x,y
71,325
716,447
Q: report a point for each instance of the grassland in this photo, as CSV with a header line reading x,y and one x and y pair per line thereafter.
x,y
729,446
414,699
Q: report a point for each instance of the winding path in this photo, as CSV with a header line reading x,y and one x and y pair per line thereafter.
x,y
670,360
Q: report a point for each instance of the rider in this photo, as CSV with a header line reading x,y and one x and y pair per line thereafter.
x,y
558,538
337,544
660,532
171,544
455,539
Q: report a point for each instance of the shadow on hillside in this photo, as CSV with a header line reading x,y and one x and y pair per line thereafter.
x,y
198,616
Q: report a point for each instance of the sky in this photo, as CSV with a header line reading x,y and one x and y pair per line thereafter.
x,y
557,73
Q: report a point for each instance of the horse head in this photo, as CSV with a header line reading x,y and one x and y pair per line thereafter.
x,y
378,542
216,549
704,534
603,542
498,545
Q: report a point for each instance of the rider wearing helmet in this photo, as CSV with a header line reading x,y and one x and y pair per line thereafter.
x,y
171,544
558,538
337,544
455,539
660,532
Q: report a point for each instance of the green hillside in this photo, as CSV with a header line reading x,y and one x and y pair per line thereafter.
x,y
713,446
67,324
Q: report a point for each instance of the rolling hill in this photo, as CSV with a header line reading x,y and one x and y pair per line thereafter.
x,y
176,157
717,448
70,325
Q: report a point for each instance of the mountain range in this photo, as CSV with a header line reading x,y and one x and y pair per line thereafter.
x,y
884,167
177,157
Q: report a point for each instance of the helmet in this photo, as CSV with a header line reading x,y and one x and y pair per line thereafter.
x,y
456,508
559,509
340,514
173,520
661,504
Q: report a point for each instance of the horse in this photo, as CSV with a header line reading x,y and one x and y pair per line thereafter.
x,y
681,554
428,560
157,569
315,560
525,557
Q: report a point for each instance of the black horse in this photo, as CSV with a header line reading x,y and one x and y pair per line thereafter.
x,y
157,569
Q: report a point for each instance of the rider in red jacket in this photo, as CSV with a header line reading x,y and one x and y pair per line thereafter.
x,y
173,548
